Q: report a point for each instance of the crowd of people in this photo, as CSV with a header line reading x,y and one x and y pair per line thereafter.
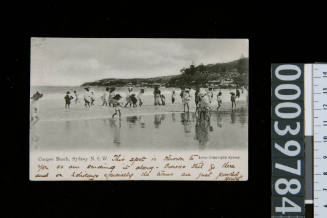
x,y
203,98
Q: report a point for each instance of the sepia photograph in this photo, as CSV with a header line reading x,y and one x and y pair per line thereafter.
x,y
139,95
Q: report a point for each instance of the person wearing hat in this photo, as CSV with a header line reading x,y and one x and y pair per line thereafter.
x,y
112,94
92,97
68,98
199,92
204,104
219,100
140,97
76,97
105,97
128,97
116,105
182,92
87,98
173,97
197,97
157,95
133,99
238,94
210,94
35,108
36,96
163,99
186,100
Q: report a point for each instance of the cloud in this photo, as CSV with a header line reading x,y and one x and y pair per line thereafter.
x,y
72,61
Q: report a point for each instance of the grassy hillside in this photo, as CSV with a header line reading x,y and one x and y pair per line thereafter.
x,y
133,81
235,71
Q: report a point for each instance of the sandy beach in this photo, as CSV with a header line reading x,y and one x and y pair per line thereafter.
x,y
140,128
52,105
145,127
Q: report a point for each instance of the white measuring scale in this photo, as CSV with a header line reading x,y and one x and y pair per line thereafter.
x,y
319,79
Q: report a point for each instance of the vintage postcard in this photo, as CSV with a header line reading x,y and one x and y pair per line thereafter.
x,y
139,109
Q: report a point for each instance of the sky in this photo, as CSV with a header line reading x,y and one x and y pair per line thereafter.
x,y
73,61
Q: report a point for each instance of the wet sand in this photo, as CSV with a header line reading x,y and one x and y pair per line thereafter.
x,y
148,127
169,131
54,111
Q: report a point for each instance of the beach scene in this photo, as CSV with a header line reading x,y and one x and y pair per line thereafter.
x,y
138,95
148,125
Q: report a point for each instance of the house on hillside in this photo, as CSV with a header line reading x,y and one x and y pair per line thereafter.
x,y
203,72
228,82
156,84
233,73
214,83
129,84
145,84
106,83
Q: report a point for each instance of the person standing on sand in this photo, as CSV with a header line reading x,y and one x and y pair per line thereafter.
x,y
197,97
186,100
116,106
204,105
92,97
111,97
76,97
106,97
157,95
133,99
140,97
219,100
68,98
210,94
238,93
182,93
173,97
128,97
163,99
35,108
87,98
233,99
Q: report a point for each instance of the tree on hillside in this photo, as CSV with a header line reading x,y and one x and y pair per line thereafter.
x,y
189,71
223,68
242,65
201,68
241,80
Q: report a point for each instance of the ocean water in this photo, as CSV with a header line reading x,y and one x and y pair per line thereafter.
x,y
171,131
